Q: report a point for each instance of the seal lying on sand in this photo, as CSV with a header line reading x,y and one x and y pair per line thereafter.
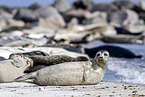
x,y
115,51
12,68
72,73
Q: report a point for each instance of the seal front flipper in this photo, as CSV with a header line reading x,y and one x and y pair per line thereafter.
x,y
87,70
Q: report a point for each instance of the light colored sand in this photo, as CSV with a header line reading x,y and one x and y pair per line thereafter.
x,y
103,89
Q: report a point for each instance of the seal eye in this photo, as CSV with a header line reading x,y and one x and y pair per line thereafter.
x,y
105,54
98,54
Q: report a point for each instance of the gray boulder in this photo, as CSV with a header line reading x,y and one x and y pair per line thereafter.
x,y
34,6
80,14
127,4
97,18
62,6
50,17
123,17
105,7
26,15
5,15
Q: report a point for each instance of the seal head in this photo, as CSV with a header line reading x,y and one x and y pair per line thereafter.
x,y
102,58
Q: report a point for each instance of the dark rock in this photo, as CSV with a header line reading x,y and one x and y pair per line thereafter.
x,y
5,8
62,6
138,9
26,15
105,7
80,4
142,16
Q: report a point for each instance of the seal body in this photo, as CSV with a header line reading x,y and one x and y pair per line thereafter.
x,y
13,68
72,73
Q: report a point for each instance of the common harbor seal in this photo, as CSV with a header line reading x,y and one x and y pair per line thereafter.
x,y
114,51
71,73
12,68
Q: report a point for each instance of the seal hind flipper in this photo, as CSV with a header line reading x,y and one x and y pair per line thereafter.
x,y
138,56
26,76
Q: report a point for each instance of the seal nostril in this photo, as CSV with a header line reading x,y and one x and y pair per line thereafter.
x,y
101,57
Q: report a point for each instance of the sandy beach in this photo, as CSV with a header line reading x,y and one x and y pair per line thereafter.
x,y
103,89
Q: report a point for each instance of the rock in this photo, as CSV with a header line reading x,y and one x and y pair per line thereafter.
x,y
89,4
6,9
117,17
26,15
8,23
105,7
142,16
80,14
74,21
5,15
49,16
38,32
123,17
80,4
127,39
97,18
127,4
141,4
62,6
68,36
34,6
132,17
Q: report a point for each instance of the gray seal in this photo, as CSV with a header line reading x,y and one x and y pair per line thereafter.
x,y
71,73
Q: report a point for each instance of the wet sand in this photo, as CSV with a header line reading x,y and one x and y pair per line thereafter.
x,y
103,89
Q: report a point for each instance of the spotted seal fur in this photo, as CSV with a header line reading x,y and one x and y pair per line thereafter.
x,y
71,73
